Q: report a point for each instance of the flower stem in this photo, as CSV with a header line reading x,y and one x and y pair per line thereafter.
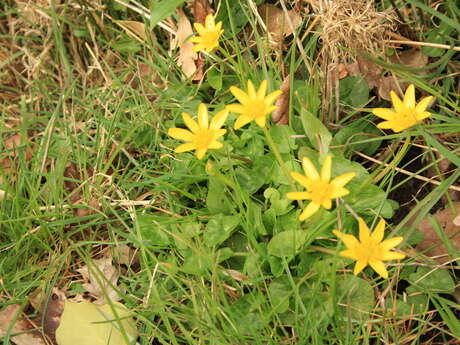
x,y
274,149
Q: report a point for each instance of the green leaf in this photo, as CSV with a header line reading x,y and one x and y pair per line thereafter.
x,y
162,9
88,324
357,295
216,200
197,263
279,296
317,133
282,136
428,280
219,228
354,91
152,231
287,243
214,78
351,134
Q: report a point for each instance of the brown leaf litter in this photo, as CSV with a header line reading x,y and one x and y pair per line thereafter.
x,y
281,114
432,245
186,56
278,22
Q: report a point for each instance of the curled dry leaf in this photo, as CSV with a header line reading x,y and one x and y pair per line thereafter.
x,y
22,327
187,57
49,310
277,21
281,115
101,279
450,224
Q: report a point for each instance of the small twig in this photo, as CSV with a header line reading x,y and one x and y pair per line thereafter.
x,y
426,44
406,172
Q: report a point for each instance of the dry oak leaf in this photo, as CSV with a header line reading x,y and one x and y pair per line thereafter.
x,y
450,224
187,57
22,326
101,279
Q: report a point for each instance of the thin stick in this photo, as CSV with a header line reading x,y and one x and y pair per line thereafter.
x,y
426,44
406,172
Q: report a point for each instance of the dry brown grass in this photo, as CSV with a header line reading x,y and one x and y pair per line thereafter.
x,y
347,26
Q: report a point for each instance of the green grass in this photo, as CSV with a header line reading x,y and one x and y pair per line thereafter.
x,y
94,169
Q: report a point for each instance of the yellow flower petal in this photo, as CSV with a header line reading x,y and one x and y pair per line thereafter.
x,y
251,90
262,89
184,147
261,121
423,104
199,28
181,134
209,22
309,211
364,232
384,113
236,108
391,243
377,235
392,256
397,103
348,254
190,123
326,169
350,241
202,116
200,153
309,169
240,95
342,180
360,264
422,116
303,180
242,121
327,204
270,98
298,196
379,267
409,97
339,192
219,119
215,145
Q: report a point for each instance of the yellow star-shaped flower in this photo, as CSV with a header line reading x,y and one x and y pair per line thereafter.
x,y
406,113
319,189
254,105
370,250
203,135
208,35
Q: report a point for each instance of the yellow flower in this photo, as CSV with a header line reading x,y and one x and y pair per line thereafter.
x,y
319,189
253,105
406,113
208,35
203,135
370,250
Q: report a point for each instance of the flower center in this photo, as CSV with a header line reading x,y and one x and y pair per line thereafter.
x,y
320,191
255,109
369,250
408,118
203,138
210,38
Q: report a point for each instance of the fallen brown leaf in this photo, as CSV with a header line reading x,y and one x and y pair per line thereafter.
x,y
450,223
281,115
134,29
413,58
101,280
49,309
28,335
187,57
277,22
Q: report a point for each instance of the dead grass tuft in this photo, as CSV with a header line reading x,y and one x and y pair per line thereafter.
x,y
348,26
